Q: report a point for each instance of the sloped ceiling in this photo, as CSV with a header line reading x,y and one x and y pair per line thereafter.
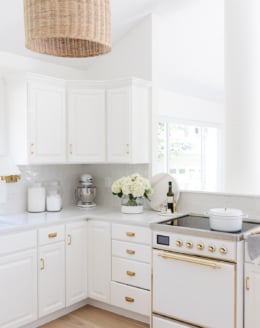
x,y
191,40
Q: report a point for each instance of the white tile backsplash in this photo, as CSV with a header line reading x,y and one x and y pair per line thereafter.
x,y
103,177
68,175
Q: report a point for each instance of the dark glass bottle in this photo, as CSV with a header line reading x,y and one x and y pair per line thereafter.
x,y
170,198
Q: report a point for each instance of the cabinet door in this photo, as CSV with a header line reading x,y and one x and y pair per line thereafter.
x,y
86,108
252,295
99,260
51,275
76,262
118,125
18,286
47,130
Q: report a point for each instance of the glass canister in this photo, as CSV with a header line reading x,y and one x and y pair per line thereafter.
x,y
36,197
53,196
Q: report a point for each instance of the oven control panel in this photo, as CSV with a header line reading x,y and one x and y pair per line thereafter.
x,y
195,245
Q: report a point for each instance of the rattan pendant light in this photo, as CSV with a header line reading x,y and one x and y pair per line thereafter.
x,y
68,28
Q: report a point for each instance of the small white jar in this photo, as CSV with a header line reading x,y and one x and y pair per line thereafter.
x,y
53,198
36,198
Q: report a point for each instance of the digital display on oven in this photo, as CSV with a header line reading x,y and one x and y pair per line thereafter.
x,y
163,240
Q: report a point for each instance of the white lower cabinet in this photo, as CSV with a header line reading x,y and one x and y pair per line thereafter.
x,y
252,295
99,260
76,262
131,272
18,279
51,270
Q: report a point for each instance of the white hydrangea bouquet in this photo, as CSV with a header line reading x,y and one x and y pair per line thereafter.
x,y
132,189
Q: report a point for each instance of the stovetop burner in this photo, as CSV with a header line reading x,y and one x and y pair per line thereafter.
x,y
202,223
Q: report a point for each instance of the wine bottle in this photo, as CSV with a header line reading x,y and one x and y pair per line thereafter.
x,y
170,198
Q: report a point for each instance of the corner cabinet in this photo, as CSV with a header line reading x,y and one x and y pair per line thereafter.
x,y
99,260
76,262
86,124
252,295
128,122
57,121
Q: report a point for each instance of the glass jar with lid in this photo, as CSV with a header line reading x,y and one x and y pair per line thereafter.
x,y
53,196
36,197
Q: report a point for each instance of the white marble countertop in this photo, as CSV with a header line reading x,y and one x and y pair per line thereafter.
x,y
25,221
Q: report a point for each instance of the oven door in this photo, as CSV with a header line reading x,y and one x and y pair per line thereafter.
x,y
194,290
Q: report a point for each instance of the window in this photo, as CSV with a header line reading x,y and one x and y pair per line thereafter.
x,y
191,153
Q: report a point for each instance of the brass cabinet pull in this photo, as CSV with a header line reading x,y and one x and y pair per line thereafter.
x,y
69,239
127,149
247,283
42,267
129,299
130,273
130,251
130,234
52,235
189,260
70,149
32,149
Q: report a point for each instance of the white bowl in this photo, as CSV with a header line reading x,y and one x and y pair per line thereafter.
x,y
225,219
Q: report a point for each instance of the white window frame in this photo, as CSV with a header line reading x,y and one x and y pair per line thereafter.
x,y
202,124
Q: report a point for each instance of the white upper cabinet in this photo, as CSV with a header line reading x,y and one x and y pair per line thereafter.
x,y
57,121
86,124
128,122
46,122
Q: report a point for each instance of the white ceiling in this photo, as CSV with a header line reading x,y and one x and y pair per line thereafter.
x,y
191,40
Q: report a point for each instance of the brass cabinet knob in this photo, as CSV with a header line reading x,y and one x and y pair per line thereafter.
x,y
179,243
223,250
130,273
130,234
129,299
211,248
200,246
130,251
189,244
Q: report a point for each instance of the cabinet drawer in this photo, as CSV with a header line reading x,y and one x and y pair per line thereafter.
x,y
131,298
131,251
131,273
18,241
51,234
159,322
131,233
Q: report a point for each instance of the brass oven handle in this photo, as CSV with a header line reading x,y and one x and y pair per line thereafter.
x,y
247,283
189,260
130,273
129,299
52,235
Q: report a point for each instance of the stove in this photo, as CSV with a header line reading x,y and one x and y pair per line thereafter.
x,y
189,261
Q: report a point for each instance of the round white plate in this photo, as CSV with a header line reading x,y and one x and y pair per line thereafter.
x,y
159,183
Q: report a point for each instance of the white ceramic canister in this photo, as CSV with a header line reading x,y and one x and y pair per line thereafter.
x,y
53,197
225,219
36,198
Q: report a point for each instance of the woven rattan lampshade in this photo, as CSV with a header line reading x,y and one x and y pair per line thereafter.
x,y
68,28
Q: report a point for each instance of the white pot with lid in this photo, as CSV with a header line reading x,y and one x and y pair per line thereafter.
x,y
225,219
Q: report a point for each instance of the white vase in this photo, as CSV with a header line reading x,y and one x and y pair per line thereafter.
x,y
131,206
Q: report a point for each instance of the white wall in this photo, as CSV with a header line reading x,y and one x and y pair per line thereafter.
x,y
193,109
130,56
2,118
13,63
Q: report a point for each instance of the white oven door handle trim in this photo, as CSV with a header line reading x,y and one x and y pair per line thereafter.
x,y
193,260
